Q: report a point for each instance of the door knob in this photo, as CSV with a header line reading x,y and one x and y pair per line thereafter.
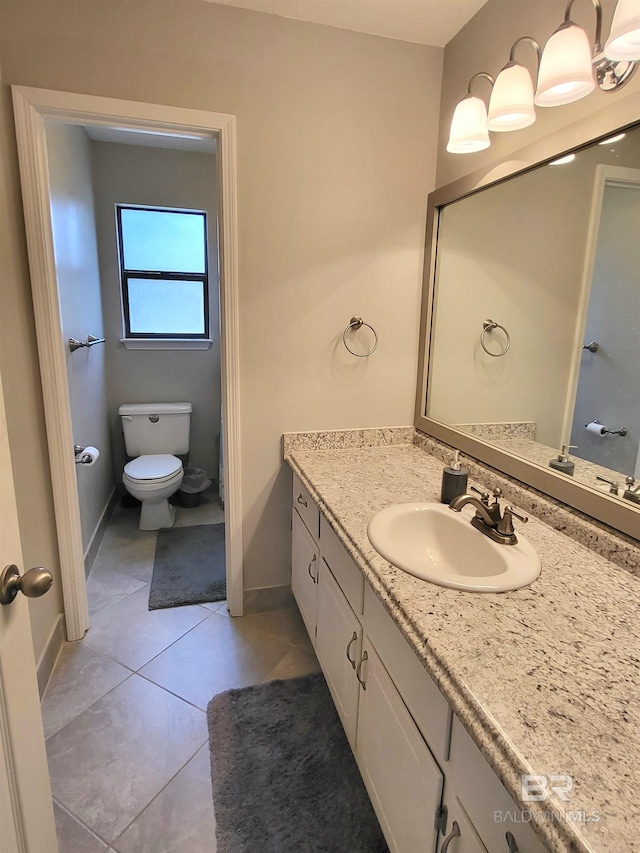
x,y
33,583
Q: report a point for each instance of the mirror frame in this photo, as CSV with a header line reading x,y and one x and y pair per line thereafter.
x,y
594,503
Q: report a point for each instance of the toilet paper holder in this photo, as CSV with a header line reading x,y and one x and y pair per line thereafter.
x,y
82,457
596,426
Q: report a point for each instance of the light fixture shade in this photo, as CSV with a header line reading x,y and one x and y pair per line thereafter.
x,y
624,39
511,104
566,70
469,127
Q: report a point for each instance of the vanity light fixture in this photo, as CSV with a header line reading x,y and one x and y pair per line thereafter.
x,y
568,69
624,38
469,131
568,60
511,105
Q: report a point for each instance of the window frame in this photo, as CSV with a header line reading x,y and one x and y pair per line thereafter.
x,y
159,275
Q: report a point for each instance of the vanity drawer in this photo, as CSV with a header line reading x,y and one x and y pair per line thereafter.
x,y
427,705
487,802
344,570
306,507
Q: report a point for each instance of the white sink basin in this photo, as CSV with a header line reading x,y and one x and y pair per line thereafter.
x,y
434,543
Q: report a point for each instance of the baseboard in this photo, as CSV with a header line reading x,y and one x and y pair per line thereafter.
x,y
50,654
266,598
98,534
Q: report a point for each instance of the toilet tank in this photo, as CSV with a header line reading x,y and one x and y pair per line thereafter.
x,y
155,427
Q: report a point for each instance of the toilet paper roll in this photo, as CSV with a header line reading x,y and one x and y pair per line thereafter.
x,y
595,428
89,456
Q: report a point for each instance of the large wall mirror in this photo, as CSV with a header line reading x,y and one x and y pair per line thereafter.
x,y
531,326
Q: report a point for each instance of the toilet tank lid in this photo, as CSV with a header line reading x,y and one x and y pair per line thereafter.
x,y
154,409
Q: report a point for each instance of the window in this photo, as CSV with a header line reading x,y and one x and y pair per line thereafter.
x,y
163,270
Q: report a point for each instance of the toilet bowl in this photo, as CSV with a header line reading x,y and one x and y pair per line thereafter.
x,y
152,479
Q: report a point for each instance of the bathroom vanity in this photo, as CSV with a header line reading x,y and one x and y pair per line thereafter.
x,y
448,698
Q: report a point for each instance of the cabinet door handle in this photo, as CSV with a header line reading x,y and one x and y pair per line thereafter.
x,y
512,845
311,575
455,833
349,644
364,657
301,500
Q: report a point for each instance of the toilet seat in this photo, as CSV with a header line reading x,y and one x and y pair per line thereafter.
x,y
156,468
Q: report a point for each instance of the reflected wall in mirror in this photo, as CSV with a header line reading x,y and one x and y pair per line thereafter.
x,y
552,256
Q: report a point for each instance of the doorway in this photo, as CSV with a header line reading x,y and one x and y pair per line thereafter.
x,y
33,109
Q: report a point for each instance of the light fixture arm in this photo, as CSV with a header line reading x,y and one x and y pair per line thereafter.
x,y
480,74
532,42
597,47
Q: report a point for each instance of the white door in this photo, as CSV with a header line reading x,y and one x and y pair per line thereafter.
x,y
26,811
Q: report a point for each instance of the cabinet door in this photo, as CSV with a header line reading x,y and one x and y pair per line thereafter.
x,y
460,835
305,559
498,820
338,646
402,778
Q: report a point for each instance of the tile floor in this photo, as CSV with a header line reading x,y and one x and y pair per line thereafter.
x,y
124,711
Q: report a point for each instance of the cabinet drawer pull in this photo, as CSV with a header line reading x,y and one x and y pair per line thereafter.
x,y
455,833
512,845
364,657
349,644
311,575
301,500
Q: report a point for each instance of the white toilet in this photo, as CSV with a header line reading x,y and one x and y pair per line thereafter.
x,y
153,433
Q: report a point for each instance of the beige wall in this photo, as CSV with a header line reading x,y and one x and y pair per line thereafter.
x,y
507,254
510,254
132,174
21,382
74,237
483,45
336,154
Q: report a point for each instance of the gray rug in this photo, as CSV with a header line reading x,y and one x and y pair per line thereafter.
x,y
284,777
189,566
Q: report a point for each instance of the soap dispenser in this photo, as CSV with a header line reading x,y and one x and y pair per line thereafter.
x,y
454,480
562,462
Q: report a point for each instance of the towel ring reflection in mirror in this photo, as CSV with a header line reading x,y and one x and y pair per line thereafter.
x,y
489,326
356,323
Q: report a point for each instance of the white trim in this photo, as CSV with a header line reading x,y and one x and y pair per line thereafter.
x,y
605,175
101,523
166,343
32,108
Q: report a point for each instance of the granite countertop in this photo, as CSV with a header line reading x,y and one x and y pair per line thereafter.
x,y
544,678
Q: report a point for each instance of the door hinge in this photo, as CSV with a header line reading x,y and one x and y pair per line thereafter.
x,y
441,819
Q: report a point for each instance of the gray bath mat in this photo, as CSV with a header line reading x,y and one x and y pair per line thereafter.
x,y
284,777
189,566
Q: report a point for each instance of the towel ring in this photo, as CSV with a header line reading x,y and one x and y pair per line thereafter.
x,y
489,326
356,323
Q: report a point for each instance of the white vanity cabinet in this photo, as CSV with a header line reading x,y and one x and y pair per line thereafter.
x,y
305,562
401,775
415,757
458,833
339,649
488,806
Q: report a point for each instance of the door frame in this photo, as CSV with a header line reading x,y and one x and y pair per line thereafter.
x,y
604,175
32,108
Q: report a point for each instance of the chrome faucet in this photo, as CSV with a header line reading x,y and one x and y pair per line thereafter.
x,y
489,518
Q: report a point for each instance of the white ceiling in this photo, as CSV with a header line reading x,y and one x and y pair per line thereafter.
x,y
149,139
433,22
